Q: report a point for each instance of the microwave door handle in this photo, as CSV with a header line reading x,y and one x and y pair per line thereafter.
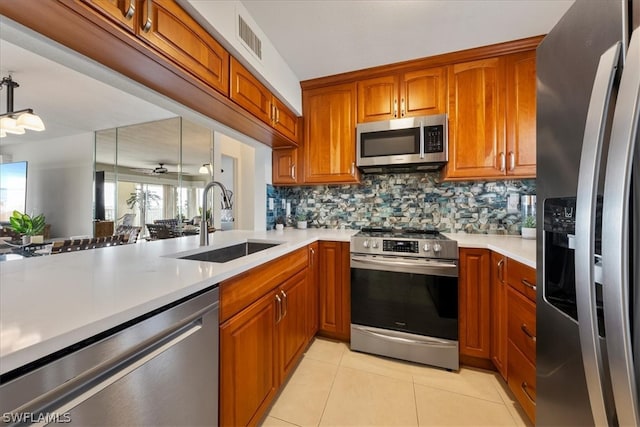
x,y
584,245
615,238
421,140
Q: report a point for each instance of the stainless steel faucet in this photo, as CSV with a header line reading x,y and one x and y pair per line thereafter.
x,y
226,204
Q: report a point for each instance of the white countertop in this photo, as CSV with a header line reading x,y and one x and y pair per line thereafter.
x,y
51,302
48,303
514,247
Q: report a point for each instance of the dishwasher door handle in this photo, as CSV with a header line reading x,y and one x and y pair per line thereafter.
x,y
81,388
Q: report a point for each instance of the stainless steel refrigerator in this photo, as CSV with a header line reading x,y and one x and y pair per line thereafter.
x,y
588,308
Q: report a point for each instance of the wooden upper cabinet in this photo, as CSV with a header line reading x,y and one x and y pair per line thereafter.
x,y
424,92
253,96
286,168
169,29
415,93
330,134
476,119
521,114
249,93
123,12
284,120
378,98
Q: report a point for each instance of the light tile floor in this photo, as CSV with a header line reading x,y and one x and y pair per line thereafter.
x,y
333,386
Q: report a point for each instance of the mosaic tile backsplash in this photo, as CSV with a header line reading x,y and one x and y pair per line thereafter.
x,y
404,201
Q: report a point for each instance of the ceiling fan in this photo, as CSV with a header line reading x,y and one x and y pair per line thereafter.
x,y
160,170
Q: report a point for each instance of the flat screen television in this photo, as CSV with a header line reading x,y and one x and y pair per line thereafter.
x,y
13,189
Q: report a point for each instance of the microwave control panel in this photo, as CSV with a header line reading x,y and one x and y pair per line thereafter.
x,y
434,139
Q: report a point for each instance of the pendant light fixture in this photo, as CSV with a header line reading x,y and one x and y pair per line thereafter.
x,y
15,122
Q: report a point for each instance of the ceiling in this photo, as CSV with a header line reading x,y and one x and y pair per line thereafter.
x,y
324,37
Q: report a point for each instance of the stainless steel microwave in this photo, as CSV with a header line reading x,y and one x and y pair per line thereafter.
x,y
411,144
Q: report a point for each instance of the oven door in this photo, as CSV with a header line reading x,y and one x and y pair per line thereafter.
x,y
416,296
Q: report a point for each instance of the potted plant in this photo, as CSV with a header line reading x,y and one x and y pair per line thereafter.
x,y
29,228
280,223
301,218
528,230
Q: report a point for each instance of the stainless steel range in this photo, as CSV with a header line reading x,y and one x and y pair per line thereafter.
x,y
404,295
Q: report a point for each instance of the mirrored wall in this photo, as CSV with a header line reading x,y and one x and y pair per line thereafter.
x,y
153,172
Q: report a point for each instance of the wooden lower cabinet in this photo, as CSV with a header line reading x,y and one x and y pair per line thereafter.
x,y
499,313
248,376
335,290
262,343
292,326
474,304
312,287
521,350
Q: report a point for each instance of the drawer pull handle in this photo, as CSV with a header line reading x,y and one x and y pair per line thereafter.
x,y
501,269
528,285
527,332
525,388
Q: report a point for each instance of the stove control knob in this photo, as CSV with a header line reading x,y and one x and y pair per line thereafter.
x,y
374,244
426,247
365,243
437,247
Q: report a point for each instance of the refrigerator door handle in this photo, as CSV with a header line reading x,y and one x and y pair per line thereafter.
x,y
615,238
594,134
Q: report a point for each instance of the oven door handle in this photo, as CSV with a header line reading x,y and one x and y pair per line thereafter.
x,y
438,268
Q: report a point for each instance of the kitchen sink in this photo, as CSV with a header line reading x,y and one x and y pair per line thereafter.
x,y
230,253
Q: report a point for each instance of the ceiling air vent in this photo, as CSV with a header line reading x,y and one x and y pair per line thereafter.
x,y
249,37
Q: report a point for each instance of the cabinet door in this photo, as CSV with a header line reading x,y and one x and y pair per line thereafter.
x,y
521,114
378,99
424,92
499,315
249,93
292,327
330,134
169,29
248,375
335,292
312,294
284,120
474,303
476,120
285,166
120,11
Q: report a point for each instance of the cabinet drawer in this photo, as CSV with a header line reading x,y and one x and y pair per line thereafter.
x,y
522,278
522,380
522,323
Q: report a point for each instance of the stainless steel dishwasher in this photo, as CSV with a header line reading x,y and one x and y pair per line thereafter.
x,y
159,369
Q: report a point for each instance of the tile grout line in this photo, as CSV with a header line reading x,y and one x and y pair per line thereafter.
x,y
324,408
415,402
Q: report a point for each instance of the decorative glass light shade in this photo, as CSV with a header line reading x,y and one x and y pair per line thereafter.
x,y
9,125
204,169
30,121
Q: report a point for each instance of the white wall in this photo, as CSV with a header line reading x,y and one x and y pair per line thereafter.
x,y
251,191
221,20
59,182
